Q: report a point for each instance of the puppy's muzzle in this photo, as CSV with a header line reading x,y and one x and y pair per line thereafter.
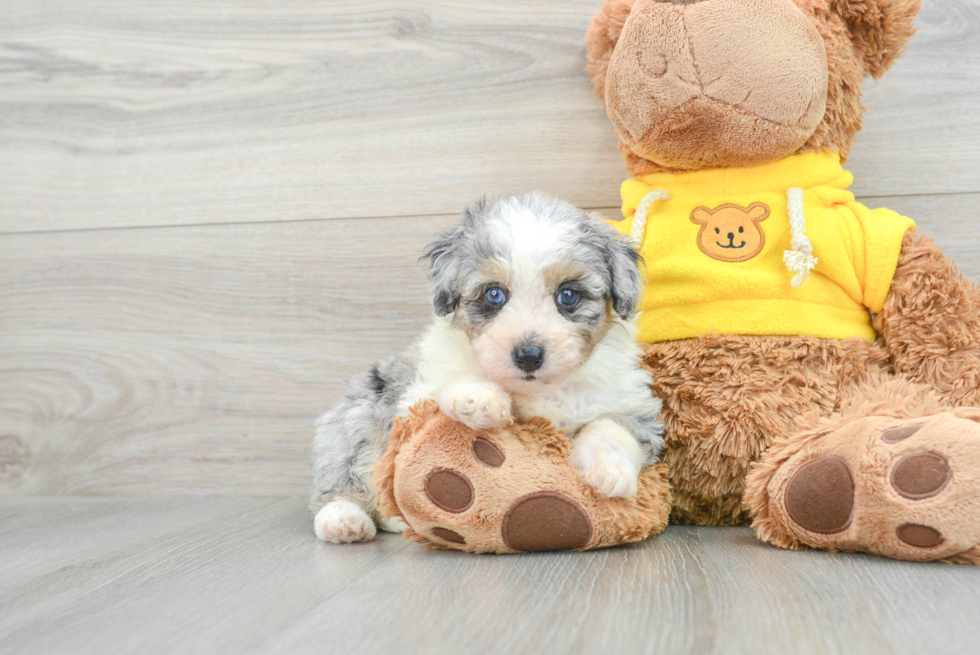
x,y
528,358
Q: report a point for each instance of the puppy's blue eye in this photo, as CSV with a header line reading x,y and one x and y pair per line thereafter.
x,y
496,296
568,298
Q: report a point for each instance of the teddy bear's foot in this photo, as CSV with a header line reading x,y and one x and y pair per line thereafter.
x,y
901,488
506,490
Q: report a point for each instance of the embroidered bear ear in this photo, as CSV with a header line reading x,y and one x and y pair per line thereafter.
x,y
701,215
879,29
601,39
757,212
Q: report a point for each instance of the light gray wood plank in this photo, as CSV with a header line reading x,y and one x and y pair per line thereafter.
x,y
253,579
124,114
41,535
195,359
922,129
691,590
203,586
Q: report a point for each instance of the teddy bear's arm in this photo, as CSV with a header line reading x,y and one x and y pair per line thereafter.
x,y
930,323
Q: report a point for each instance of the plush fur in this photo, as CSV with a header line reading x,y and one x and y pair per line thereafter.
x,y
930,325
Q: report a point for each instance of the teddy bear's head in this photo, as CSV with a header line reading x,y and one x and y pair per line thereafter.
x,y
693,84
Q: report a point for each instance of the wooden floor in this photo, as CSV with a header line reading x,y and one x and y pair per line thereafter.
x,y
242,575
210,216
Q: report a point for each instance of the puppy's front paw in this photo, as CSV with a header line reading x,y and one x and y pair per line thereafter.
x,y
608,459
394,525
477,405
342,522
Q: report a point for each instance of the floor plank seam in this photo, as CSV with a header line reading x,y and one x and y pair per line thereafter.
x,y
174,226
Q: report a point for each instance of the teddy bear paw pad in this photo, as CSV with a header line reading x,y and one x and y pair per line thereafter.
x,y
546,521
901,433
487,453
921,475
448,535
449,490
820,495
919,536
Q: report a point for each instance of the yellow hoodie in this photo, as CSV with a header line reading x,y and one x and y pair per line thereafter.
x,y
721,255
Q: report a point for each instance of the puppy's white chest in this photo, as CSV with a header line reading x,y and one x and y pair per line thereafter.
x,y
568,407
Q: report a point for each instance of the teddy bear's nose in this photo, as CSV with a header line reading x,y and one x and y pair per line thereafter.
x,y
731,236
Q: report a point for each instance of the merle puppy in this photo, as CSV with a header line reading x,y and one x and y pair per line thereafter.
x,y
533,302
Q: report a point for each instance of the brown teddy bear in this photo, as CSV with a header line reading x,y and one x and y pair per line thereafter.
x,y
825,388
819,361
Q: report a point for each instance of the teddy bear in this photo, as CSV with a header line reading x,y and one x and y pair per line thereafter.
x,y
818,361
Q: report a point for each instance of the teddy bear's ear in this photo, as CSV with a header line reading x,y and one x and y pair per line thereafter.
x,y
601,38
757,212
879,29
701,215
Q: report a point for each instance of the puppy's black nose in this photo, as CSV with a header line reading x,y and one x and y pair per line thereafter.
x,y
528,358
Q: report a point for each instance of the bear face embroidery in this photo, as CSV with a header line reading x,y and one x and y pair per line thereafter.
x,y
731,233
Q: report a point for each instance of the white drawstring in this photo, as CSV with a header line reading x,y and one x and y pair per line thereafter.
x,y
640,218
800,259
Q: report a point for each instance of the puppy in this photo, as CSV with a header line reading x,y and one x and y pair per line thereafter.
x,y
533,300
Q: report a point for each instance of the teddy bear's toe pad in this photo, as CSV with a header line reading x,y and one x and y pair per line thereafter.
x,y
919,536
449,490
448,535
908,490
920,475
900,433
820,495
546,521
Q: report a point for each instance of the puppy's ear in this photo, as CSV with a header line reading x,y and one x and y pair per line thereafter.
x,y
444,270
879,29
623,264
601,38
444,257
